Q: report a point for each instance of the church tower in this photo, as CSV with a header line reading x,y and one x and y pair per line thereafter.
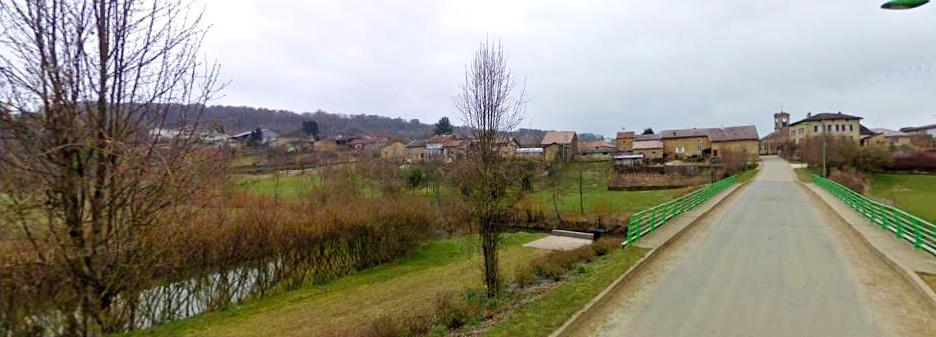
x,y
781,120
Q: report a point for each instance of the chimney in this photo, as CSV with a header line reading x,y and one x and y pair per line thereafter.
x,y
840,112
808,114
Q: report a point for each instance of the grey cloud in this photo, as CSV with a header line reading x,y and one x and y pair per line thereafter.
x,y
588,65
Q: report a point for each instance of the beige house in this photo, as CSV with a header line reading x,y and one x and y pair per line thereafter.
x,y
710,142
624,141
834,124
596,150
559,145
896,138
650,146
415,151
395,150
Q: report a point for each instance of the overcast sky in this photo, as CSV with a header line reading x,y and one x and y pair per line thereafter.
x,y
589,66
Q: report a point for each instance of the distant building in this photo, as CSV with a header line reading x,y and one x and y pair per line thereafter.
x,y
896,138
595,150
395,150
835,124
559,145
710,142
415,151
266,136
650,146
926,130
624,141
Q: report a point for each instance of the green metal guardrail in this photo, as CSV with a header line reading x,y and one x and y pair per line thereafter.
x,y
906,226
648,220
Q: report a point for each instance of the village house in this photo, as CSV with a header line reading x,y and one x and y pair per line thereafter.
x,y
710,142
596,150
559,145
507,146
926,130
367,145
624,142
415,151
895,138
835,124
395,150
650,146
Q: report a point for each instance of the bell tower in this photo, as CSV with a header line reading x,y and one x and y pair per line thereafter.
x,y
781,120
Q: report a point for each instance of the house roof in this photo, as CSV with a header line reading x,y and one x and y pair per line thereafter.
x,y
648,144
862,130
652,136
595,144
890,133
439,139
726,134
825,116
558,137
625,135
416,143
918,128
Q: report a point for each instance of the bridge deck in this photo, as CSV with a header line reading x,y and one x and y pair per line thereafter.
x,y
768,264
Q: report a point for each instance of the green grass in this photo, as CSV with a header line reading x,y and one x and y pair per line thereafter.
x,y
557,305
596,196
914,193
412,284
804,175
287,187
747,175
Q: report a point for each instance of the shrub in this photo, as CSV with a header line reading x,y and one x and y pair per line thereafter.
x,y
916,161
851,179
605,245
524,276
414,177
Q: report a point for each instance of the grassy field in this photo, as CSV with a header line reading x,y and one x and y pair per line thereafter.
x,y
913,193
410,284
285,186
557,305
596,196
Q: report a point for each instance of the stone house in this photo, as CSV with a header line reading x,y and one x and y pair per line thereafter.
x,y
394,150
415,151
559,145
624,141
650,146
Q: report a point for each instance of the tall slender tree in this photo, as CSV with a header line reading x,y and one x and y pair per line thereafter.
x,y
490,104
88,86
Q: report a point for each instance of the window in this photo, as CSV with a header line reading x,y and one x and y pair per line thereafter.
x,y
715,153
815,129
680,149
851,127
836,128
828,128
802,130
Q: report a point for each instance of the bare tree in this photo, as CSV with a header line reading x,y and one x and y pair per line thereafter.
x,y
490,104
87,86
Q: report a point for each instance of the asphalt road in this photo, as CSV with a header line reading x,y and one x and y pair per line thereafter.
x,y
765,266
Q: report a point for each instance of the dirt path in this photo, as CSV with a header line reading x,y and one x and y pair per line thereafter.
x,y
770,262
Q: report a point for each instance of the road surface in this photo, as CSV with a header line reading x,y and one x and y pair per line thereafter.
x,y
767,263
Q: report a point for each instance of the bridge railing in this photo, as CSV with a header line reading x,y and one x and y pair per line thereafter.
x,y
648,220
906,226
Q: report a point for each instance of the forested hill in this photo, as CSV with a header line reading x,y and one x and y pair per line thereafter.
x,y
240,118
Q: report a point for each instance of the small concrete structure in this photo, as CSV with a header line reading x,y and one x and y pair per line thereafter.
x,y
556,242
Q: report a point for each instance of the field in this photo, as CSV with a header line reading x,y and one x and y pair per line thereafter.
x,y
596,196
413,283
913,193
